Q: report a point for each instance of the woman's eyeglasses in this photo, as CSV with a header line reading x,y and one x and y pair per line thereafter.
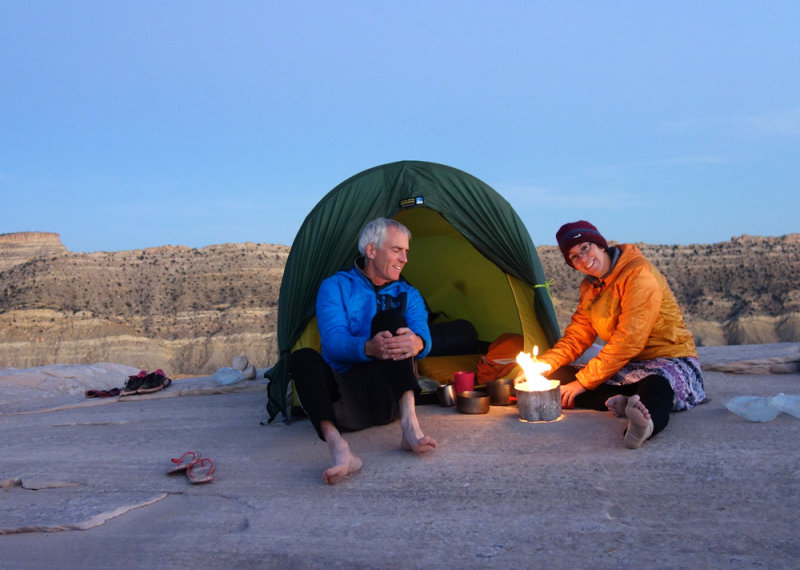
x,y
582,250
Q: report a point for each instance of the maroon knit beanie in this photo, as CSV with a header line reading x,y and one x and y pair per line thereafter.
x,y
574,233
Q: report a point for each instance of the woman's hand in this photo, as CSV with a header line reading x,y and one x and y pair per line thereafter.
x,y
569,392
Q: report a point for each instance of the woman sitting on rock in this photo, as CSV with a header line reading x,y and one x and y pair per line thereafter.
x,y
648,366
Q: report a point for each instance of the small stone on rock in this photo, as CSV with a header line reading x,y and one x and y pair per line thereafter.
x,y
240,362
249,373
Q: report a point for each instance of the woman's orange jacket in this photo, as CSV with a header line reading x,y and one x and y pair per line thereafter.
x,y
633,310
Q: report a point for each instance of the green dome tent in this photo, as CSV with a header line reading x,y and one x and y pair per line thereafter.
x,y
470,256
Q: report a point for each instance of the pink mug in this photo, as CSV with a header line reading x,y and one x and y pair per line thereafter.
x,y
464,381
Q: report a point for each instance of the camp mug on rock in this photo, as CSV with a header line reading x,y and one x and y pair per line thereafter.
x,y
464,381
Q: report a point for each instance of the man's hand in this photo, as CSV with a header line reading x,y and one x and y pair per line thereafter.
x,y
405,344
385,346
569,392
376,346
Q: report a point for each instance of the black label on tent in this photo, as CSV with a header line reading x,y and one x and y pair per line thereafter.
x,y
411,202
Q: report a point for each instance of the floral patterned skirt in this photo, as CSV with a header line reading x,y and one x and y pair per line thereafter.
x,y
683,374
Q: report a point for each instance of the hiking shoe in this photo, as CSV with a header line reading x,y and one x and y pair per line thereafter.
x,y
153,382
132,385
145,383
103,393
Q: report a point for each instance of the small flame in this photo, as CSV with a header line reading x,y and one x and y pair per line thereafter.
x,y
532,369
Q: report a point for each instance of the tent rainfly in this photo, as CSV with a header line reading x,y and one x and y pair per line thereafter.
x,y
470,256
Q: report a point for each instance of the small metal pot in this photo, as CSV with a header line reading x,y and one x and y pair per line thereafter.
x,y
500,391
446,395
472,402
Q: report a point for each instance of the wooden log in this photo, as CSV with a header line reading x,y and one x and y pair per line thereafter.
x,y
540,405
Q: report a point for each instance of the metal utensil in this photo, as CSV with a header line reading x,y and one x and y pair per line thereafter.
x,y
446,395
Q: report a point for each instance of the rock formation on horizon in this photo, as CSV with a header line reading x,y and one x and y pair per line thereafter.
x,y
190,311
743,291
19,247
185,310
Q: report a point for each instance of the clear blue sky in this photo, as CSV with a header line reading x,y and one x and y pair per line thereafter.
x,y
126,125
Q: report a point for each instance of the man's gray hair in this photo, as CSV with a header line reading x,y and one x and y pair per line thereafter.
x,y
375,232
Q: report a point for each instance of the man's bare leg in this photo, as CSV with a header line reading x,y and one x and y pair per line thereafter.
x,y
640,424
344,461
617,405
413,438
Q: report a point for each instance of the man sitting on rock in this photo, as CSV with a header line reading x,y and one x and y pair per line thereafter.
x,y
372,325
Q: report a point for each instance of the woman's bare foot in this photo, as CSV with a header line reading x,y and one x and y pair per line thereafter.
x,y
344,461
617,405
640,424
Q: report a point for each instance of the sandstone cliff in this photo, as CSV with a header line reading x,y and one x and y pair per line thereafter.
x,y
185,310
20,247
189,311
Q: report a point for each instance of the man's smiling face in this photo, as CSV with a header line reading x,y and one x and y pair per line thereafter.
x,y
385,263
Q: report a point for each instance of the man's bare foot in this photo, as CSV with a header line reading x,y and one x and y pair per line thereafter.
x,y
424,444
413,438
617,405
344,462
640,424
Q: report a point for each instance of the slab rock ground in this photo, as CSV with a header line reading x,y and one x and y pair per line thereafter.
x,y
84,485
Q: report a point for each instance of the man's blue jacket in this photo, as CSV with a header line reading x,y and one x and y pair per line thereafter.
x,y
346,304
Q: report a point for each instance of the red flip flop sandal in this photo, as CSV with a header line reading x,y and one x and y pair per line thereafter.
x,y
195,471
182,463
